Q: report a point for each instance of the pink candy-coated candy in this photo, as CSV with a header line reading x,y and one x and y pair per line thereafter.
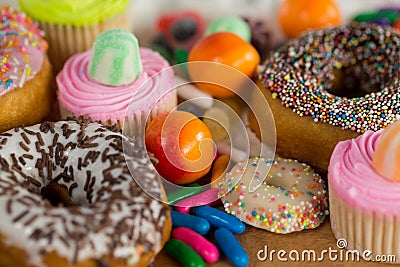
x,y
204,198
207,250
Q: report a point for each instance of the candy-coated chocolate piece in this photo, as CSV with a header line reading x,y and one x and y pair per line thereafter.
x,y
195,223
373,16
207,250
183,193
183,253
233,24
115,58
231,247
219,218
386,158
298,16
224,48
204,198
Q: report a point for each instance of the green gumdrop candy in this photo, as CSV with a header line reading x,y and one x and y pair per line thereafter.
x,y
115,58
233,24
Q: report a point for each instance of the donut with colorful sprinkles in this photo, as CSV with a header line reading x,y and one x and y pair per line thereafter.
x,y
291,198
330,85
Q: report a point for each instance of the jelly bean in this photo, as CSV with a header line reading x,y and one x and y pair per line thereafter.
x,y
112,50
188,91
219,218
183,253
231,247
207,250
219,169
368,17
233,24
183,193
204,198
195,223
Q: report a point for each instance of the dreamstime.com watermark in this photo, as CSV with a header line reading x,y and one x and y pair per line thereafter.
x,y
332,254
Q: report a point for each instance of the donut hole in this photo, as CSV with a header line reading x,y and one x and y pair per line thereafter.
x,y
56,194
353,82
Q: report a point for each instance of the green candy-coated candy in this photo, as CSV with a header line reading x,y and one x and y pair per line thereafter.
x,y
183,193
183,253
115,58
233,24
392,16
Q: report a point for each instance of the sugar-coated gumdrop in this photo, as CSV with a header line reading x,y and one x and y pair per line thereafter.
x,y
115,58
233,24
386,159
297,16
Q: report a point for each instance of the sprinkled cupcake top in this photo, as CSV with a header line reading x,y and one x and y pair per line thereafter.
x,y
22,49
302,74
292,197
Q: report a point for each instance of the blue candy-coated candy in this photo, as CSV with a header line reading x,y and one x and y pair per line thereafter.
x,y
219,218
231,247
195,223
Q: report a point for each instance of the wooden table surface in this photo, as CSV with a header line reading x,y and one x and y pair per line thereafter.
x,y
254,240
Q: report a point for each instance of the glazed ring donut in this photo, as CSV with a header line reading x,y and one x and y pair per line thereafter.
x,y
331,85
291,198
98,217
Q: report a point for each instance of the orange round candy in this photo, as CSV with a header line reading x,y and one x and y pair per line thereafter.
x,y
297,16
226,48
182,145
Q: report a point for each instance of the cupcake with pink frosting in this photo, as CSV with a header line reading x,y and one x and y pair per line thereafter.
x,y
117,82
364,192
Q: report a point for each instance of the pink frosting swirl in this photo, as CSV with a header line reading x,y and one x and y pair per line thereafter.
x,y
353,177
82,95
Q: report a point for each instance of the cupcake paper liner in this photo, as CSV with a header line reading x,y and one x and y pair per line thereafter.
x,y
67,40
364,230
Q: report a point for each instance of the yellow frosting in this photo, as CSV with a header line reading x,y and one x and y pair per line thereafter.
x,y
72,12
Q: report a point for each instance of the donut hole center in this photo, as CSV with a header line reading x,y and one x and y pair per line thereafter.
x,y
56,194
349,82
